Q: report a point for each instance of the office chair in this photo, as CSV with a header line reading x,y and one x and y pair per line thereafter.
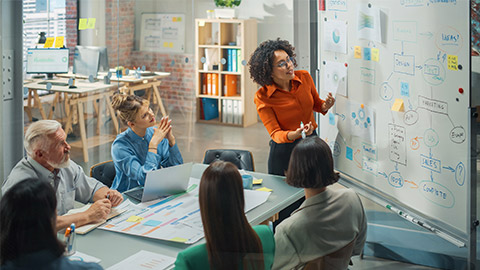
x,y
338,260
103,172
243,159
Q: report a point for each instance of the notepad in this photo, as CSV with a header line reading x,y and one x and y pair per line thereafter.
x,y
86,228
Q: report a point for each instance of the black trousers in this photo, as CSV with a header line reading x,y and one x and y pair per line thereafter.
x,y
278,160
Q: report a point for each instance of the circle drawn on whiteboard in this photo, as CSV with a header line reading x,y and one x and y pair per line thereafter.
x,y
361,114
335,146
223,61
460,174
203,60
244,62
368,120
386,91
357,122
336,36
430,137
433,72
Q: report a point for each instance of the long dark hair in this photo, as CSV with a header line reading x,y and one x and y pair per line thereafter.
x,y
311,165
231,241
27,220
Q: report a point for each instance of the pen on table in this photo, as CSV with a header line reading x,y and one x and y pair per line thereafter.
x,y
303,131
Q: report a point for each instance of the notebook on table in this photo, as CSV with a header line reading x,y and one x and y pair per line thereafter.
x,y
162,182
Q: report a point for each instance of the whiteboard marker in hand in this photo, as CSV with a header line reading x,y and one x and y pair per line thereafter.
x,y
303,130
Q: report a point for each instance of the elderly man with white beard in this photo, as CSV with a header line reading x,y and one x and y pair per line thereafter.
x,y
49,160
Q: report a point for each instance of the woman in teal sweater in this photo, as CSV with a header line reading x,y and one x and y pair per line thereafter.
x,y
231,242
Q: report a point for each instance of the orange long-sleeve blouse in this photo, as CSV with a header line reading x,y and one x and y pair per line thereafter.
x,y
282,111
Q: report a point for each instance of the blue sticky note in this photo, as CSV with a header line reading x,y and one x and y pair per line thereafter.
x,y
367,54
152,223
405,89
331,119
349,153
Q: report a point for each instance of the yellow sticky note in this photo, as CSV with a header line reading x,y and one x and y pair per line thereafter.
x,y
59,42
170,44
134,219
201,23
165,44
357,52
82,24
49,42
257,181
178,239
91,23
398,105
375,54
179,19
452,62
264,189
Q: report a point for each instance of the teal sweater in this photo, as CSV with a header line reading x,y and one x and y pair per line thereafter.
x,y
196,257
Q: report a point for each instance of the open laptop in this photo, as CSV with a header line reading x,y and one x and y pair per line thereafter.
x,y
163,182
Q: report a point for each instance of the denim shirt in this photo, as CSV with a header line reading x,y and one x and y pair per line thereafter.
x,y
133,160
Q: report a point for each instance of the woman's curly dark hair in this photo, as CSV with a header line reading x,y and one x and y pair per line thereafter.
x,y
261,61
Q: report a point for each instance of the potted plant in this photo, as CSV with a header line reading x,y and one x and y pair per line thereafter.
x,y
228,8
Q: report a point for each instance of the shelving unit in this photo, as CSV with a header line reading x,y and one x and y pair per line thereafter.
x,y
230,102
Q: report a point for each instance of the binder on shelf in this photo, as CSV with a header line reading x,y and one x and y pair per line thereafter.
x,y
209,83
230,85
214,84
229,60
235,112
234,60
239,60
224,111
210,108
229,111
204,84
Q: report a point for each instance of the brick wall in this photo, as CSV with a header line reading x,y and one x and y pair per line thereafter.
x,y
177,90
71,22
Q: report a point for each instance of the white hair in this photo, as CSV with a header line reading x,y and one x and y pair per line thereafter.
x,y
37,133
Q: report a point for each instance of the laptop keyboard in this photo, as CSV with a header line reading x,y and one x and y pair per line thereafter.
x,y
135,194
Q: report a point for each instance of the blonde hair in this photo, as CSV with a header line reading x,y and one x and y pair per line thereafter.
x,y
37,134
128,106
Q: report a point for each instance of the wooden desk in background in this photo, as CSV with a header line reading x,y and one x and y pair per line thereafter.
x,y
74,100
148,83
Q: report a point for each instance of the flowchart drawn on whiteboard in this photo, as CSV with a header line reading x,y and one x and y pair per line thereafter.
x,y
161,32
412,84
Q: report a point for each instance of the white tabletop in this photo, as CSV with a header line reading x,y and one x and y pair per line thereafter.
x,y
131,77
82,87
112,247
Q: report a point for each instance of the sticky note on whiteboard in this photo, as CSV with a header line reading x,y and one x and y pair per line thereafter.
x,y
357,52
452,62
398,105
349,153
375,54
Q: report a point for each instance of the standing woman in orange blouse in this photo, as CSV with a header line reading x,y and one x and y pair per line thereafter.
x,y
286,99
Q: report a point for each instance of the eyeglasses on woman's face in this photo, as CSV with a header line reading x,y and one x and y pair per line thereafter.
x,y
284,63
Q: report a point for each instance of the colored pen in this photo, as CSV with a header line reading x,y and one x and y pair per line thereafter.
x,y
303,131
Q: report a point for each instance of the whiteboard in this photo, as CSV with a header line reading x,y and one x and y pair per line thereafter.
x,y
162,32
400,125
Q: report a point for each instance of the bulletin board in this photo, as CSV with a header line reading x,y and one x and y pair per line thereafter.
x,y
401,123
162,32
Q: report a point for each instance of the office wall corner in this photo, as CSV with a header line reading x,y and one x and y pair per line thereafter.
x,y
12,107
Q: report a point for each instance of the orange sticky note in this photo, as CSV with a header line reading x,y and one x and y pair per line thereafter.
x,y
59,42
174,19
375,54
82,24
49,42
452,62
362,106
357,52
91,23
398,105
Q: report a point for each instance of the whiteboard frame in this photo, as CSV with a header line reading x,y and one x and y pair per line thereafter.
x,y
470,237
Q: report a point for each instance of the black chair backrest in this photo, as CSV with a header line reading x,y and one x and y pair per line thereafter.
x,y
104,172
243,159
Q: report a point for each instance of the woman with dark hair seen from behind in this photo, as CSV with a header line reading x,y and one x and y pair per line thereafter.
x,y
28,238
145,146
231,243
328,219
286,99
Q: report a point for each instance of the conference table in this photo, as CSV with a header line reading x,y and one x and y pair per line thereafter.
x,y
113,247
